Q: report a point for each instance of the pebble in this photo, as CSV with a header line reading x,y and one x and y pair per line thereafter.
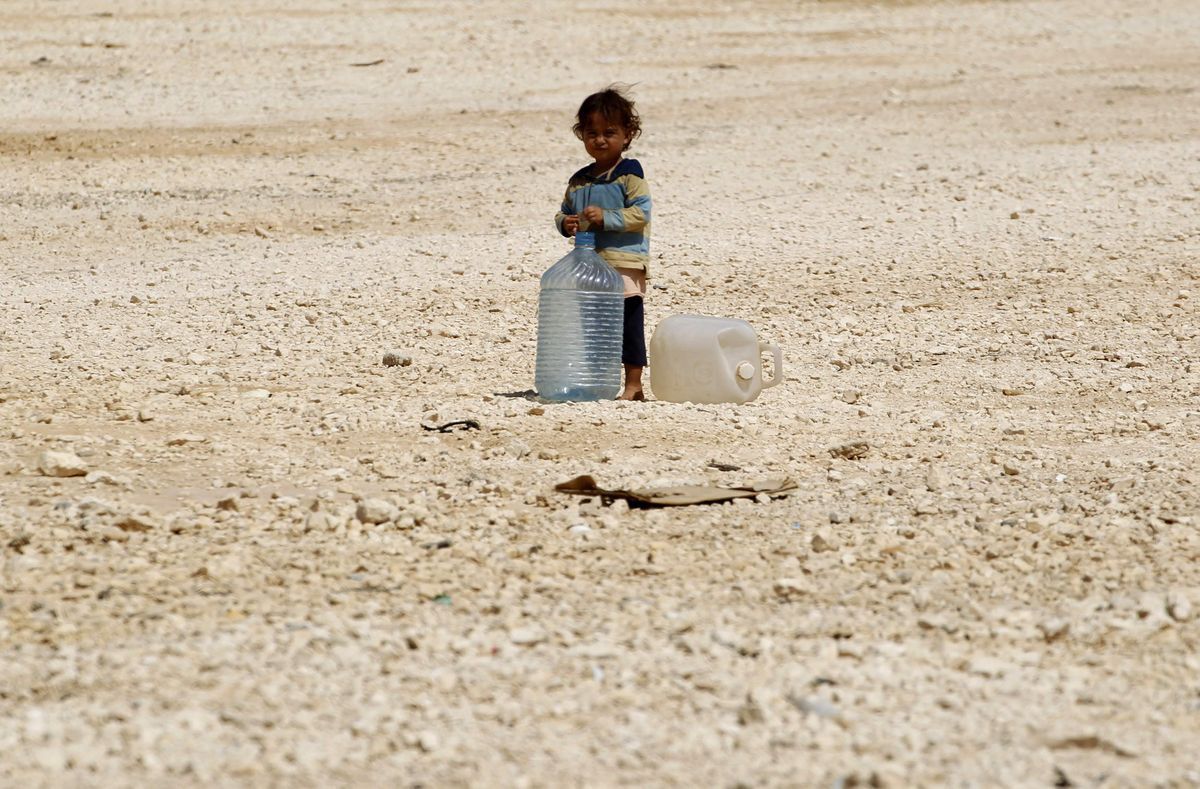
x,y
791,588
186,438
428,741
105,478
386,470
853,450
936,479
135,522
527,636
751,712
396,359
61,463
821,543
1054,629
1179,606
320,521
987,666
814,705
376,511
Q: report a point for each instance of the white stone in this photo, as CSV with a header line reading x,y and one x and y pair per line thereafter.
x,y
376,511
527,636
791,588
56,463
1179,606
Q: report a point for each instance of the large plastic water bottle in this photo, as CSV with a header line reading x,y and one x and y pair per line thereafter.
x,y
581,312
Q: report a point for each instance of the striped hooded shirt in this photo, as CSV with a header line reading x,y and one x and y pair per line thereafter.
x,y
624,196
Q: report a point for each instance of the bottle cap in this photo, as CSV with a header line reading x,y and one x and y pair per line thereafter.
x,y
585,238
745,371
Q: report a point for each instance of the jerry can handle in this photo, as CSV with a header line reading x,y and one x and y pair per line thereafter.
x,y
777,355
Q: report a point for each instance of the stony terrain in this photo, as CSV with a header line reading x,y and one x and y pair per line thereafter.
x,y
232,553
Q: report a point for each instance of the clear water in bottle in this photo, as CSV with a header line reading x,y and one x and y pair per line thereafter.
x,y
581,312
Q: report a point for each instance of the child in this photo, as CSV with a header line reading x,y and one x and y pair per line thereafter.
x,y
610,198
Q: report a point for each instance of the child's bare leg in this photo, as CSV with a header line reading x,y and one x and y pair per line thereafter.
x,y
633,384
633,345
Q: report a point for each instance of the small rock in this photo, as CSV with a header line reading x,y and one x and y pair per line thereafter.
x,y
750,712
1010,468
814,705
1151,606
320,521
790,588
850,649
599,650
936,479
926,507
984,666
527,636
1091,742
386,470
428,741
850,396
103,477
1179,607
735,641
394,359
139,522
54,463
936,621
186,438
853,450
256,394
1054,629
822,544
376,511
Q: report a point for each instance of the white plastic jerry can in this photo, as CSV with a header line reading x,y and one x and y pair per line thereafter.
x,y
700,359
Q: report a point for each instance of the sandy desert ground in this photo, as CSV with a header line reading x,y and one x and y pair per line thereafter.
x,y
231,555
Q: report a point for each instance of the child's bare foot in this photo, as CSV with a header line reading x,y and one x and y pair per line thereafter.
x,y
633,384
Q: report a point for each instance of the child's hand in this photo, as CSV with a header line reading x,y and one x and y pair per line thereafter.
x,y
594,215
571,224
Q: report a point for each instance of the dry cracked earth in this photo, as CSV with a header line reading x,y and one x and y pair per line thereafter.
x,y
232,553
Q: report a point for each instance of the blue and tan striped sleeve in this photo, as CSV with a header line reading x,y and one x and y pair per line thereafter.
x,y
635,216
563,211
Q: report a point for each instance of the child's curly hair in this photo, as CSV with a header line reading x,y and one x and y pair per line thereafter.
x,y
614,106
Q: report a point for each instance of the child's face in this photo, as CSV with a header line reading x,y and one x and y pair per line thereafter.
x,y
604,139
